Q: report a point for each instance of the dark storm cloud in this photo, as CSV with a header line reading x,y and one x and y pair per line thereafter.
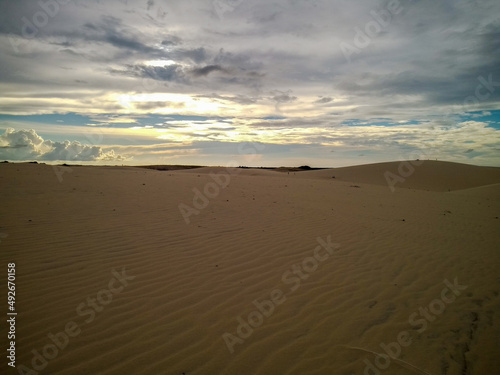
x,y
282,97
197,55
111,30
171,40
243,61
167,73
427,55
206,70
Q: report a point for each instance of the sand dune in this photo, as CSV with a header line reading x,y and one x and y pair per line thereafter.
x,y
236,171
414,272
423,175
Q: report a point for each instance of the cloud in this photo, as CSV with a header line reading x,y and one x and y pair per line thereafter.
x,y
197,55
174,72
282,97
206,70
240,99
171,40
324,100
158,105
28,145
111,30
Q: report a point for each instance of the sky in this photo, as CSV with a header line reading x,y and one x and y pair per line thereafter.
x,y
325,83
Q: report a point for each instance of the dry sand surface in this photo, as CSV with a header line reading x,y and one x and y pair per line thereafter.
x,y
110,279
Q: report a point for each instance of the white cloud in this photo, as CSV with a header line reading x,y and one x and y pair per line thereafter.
x,y
28,145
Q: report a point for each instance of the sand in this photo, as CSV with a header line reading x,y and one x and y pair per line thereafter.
x,y
111,279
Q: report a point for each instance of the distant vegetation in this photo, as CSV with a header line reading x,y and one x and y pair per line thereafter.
x,y
169,167
285,169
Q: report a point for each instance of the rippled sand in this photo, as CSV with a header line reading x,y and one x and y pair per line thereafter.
x,y
275,273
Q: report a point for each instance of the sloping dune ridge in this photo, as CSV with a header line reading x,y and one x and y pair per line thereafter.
x,y
123,270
